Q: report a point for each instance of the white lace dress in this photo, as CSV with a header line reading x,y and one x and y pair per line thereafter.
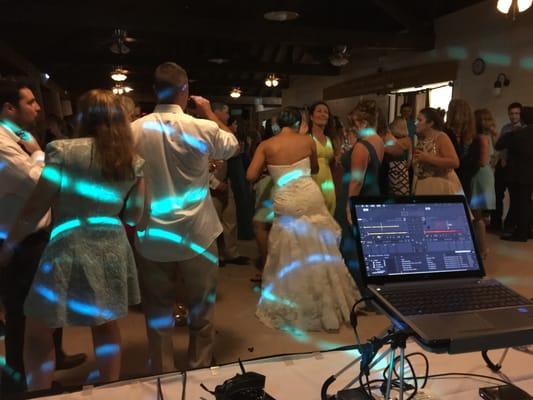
x,y
306,284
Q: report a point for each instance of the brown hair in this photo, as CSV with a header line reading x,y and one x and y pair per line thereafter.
x,y
102,117
329,128
365,110
480,115
461,120
129,107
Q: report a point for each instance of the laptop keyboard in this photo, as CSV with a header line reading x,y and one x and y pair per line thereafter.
x,y
445,300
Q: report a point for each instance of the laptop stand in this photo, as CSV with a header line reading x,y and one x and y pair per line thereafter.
x,y
395,339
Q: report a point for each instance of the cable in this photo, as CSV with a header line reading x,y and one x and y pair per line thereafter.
x,y
353,318
184,387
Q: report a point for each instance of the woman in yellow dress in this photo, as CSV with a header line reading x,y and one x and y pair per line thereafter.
x,y
320,127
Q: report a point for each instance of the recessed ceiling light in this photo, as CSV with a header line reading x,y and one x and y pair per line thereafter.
x,y
281,16
218,60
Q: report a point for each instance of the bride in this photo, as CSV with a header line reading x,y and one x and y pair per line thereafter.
x,y
305,282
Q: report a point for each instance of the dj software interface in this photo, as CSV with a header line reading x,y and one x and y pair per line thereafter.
x,y
415,238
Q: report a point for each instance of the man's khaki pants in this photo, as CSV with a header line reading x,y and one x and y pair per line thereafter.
x,y
158,288
225,206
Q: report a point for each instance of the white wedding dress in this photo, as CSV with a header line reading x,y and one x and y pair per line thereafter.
x,y
306,284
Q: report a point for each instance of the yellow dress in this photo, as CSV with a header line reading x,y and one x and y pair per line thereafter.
x,y
324,179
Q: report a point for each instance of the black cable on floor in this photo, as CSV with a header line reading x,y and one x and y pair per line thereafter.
x,y
184,387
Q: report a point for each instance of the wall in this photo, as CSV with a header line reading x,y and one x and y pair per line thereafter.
x,y
477,31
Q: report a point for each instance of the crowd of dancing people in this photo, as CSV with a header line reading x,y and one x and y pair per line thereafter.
x,y
112,217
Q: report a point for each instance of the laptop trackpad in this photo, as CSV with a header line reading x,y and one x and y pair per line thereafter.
x,y
470,322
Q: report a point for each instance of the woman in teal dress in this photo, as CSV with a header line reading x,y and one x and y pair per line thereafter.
x,y
483,197
86,275
361,166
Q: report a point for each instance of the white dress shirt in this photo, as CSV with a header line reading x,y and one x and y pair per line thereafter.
x,y
180,221
19,173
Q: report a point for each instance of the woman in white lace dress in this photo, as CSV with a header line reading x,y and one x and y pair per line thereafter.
x,y
305,282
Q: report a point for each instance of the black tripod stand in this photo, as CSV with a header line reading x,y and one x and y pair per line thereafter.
x,y
396,340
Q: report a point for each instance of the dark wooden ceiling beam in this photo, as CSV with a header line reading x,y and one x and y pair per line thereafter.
x,y
146,66
85,15
396,10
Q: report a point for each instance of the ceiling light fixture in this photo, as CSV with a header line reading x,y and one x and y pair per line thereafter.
x,y
235,93
281,16
119,89
272,81
513,7
119,75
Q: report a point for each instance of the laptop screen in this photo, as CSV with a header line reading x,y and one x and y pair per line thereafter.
x,y
415,238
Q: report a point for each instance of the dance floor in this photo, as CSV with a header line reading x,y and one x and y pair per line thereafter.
x,y
240,334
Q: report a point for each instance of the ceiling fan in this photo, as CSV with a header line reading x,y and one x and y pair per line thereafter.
x,y
340,56
118,42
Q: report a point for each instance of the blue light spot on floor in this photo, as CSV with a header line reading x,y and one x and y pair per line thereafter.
x,y
107,350
296,333
161,322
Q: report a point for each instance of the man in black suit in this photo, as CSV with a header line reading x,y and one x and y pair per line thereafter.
x,y
520,176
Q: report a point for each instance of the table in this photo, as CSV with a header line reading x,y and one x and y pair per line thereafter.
x,y
301,376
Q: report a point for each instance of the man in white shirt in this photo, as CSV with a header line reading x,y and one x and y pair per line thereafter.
x,y
179,231
21,163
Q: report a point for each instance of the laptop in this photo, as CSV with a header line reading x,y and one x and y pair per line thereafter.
x,y
420,263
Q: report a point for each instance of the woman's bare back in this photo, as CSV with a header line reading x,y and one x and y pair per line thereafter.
x,y
288,148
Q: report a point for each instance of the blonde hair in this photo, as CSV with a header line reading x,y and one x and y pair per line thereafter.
x,y
365,110
102,117
399,127
461,120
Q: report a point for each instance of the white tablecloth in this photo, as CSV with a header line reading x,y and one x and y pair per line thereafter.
x,y
301,377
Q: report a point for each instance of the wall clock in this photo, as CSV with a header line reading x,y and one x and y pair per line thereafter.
x,y
478,66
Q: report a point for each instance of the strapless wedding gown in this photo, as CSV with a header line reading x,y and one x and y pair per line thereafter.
x,y
306,284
